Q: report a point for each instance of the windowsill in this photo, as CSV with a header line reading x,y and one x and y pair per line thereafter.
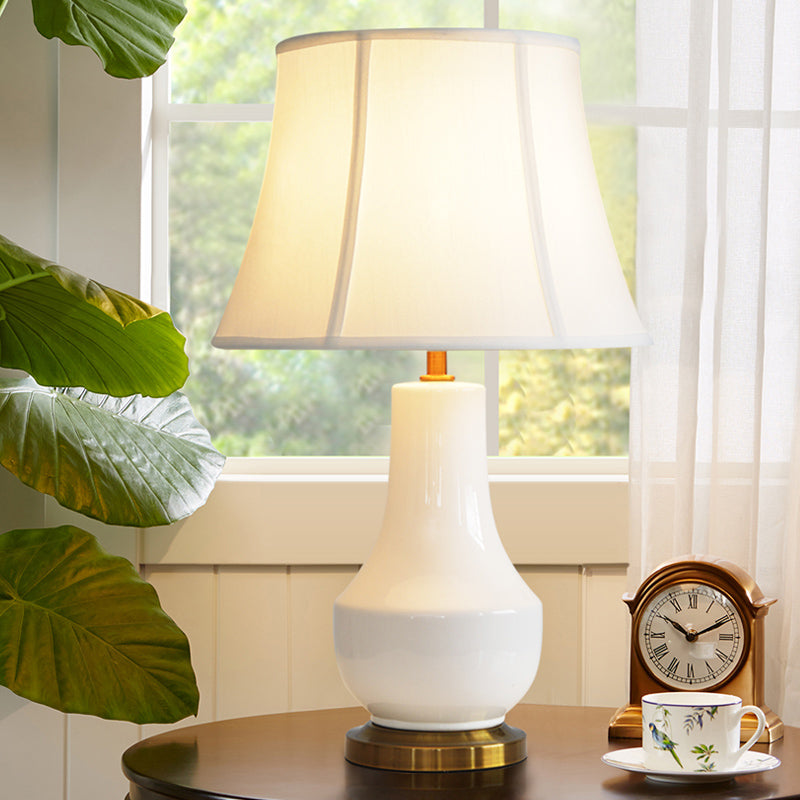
x,y
354,468
328,511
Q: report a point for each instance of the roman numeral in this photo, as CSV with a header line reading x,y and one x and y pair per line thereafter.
x,y
675,604
720,655
726,637
689,669
660,651
692,601
658,634
673,665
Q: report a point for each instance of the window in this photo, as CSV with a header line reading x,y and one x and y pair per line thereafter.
x,y
215,108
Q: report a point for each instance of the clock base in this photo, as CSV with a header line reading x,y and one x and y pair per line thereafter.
x,y
627,724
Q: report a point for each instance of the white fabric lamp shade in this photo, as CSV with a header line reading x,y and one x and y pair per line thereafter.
x,y
429,189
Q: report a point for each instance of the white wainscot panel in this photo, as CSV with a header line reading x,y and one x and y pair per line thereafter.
x,y
606,637
95,748
189,596
558,679
315,680
253,658
32,749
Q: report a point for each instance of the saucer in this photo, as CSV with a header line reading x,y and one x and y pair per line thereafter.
x,y
632,760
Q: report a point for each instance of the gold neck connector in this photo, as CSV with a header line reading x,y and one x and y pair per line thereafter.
x,y
437,367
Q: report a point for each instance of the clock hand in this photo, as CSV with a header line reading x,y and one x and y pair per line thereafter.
x,y
712,627
690,637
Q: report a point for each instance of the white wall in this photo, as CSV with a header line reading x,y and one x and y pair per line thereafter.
x,y
27,213
252,576
75,205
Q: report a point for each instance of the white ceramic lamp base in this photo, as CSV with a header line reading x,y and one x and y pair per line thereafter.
x,y
438,632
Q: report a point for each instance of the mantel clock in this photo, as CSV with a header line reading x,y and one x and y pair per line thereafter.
x,y
697,624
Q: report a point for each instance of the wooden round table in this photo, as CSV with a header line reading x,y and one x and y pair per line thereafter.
x,y
298,756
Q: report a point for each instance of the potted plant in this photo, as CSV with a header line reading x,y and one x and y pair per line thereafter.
x,y
90,414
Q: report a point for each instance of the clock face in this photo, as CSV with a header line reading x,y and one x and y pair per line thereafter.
x,y
691,636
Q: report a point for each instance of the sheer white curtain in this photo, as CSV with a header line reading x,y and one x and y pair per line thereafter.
x,y
715,440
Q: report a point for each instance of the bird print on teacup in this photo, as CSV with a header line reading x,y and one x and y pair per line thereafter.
x,y
661,731
661,735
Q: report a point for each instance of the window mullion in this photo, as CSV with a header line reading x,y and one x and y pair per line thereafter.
x,y
491,13
491,379
160,149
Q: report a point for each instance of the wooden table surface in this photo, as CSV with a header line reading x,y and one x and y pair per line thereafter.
x,y
298,756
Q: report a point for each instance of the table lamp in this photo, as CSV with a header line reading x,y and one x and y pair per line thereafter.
x,y
432,189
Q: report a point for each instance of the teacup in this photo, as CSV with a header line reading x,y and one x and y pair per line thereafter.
x,y
695,731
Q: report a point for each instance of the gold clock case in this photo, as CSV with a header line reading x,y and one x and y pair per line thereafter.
x,y
746,682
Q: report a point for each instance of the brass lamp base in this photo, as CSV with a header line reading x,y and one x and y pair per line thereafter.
x,y
434,751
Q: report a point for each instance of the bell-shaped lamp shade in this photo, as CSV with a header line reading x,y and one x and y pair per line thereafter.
x,y
430,189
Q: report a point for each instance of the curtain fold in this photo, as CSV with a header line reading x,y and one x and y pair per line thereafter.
x,y
715,445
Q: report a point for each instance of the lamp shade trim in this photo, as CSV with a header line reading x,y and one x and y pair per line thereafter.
x,y
434,343
458,34
552,306
341,286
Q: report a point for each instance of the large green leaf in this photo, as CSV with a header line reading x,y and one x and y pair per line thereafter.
x,y
131,37
126,461
66,330
81,632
